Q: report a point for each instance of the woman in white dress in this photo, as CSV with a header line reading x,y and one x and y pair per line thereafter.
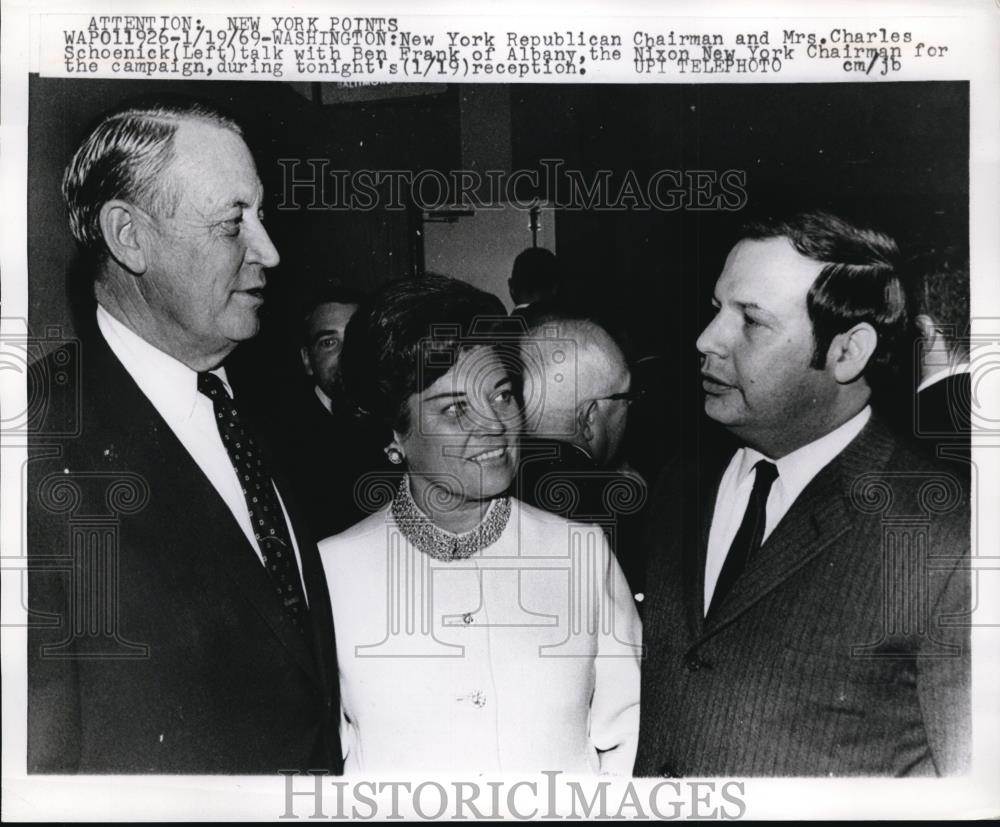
x,y
474,632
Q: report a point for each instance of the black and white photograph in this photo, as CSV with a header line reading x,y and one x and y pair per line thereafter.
x,y
516,442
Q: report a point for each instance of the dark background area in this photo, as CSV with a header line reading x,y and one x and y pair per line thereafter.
x,y
893,155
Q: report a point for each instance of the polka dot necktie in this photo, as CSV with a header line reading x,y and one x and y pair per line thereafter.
x,y
266,515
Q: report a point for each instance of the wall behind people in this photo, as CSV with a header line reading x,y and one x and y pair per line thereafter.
x,y
482,246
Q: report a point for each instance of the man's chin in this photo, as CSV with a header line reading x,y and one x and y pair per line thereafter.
x,y
244,327
720,409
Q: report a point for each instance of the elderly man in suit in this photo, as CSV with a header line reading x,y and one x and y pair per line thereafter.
x,y
577,393
179,620
806,601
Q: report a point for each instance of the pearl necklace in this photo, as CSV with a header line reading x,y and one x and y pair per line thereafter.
x,y
441,544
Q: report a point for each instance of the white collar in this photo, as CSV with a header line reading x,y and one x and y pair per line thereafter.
x,y
325,400
795,470
944,373
169,384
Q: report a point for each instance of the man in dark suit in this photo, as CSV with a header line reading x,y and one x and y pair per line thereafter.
x,y
805,602
534,279
577,392
179,617
326,449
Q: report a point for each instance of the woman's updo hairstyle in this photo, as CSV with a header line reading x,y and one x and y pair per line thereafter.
x,y
408,335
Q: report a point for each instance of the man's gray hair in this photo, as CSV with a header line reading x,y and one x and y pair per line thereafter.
x,y
126,156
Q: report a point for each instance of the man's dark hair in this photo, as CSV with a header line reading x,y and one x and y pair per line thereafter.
x,y
409,335
937,285
125,156
535,276
328,294
859,282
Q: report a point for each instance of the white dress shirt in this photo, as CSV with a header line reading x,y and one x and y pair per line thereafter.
x,y
795,471
172,388
324,400
941,375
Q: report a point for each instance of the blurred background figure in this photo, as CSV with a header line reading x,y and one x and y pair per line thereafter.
x,y
534,278
326,316
326,449
577,392
938,290
485,679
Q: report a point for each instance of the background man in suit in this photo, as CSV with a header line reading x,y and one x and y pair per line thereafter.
x,y
804,611
326,449
577,392
323,338
180,622
534,278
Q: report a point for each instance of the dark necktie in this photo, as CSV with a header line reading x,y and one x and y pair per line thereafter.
x,y
266,516
748,537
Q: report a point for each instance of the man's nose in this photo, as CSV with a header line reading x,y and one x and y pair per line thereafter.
x,y
711,340
260,248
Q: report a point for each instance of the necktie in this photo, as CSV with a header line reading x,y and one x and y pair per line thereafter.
x,y
749,535
266,516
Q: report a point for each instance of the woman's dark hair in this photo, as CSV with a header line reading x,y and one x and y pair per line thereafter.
x,y
409,335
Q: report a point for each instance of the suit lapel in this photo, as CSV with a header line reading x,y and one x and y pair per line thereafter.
x,y
819,516
320,610
163,457
703,492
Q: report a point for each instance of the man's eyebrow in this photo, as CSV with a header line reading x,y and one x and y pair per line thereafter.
x,y
225,207
754,306
244,204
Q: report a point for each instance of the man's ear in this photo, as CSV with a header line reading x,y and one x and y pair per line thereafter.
x,y
119,221
586,420
304,353
851,351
